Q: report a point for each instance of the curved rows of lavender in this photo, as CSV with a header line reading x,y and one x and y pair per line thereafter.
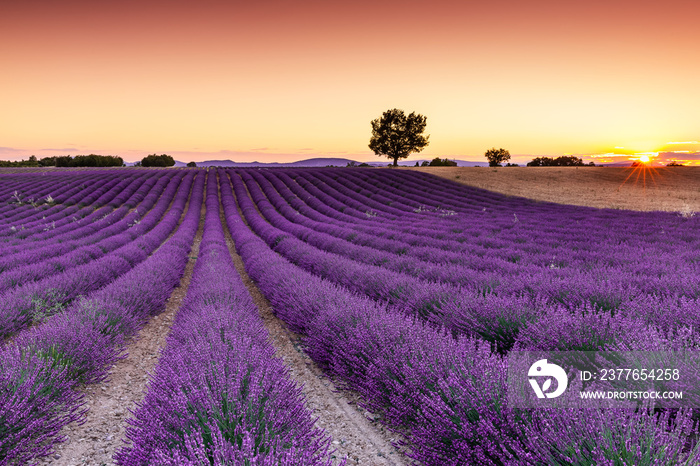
x,y
407,289
218,360
527,275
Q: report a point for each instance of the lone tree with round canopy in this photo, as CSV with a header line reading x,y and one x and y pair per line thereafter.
x,y
497,156
396,135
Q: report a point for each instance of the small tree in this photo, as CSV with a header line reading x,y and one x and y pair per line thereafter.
x,y
154,160
497,156
192,165
396,135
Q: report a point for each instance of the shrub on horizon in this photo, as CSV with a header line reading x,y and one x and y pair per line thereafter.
x,y
154,160
438,162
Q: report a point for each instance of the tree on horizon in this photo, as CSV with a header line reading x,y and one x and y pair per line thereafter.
x,y
396,135
497,156
154,160
563,161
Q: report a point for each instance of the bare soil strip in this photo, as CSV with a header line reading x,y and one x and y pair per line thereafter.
x,y
660,188
357,435
96,440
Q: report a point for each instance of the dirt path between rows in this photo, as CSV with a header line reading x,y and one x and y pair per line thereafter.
x,y
357,435
96,440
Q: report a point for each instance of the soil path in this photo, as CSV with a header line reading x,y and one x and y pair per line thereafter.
x,y
357,435
96,440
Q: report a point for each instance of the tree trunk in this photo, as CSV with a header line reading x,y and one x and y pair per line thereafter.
x,y
396,161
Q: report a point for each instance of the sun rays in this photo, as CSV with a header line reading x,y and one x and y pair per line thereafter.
x,y
641,168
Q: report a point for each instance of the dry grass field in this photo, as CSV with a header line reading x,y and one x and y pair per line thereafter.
x,y
669,189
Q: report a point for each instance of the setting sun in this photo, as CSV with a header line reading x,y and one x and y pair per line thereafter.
x,y
644,159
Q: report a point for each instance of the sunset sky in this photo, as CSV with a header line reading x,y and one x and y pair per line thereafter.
x,y
283,81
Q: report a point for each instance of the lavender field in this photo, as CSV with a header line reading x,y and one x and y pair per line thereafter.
x,y
407,290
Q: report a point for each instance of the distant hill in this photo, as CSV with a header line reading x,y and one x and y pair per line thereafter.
x,y
316,162
340,162
411,163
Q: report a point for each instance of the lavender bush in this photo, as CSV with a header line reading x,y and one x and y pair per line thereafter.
x,y
80,344
448,395
219,395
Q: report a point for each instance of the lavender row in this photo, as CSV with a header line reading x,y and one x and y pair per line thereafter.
x,y
662,291
429,190
515,313
425,251
64,189
31,188
667,269
553,214
355,197
112,190
375,282
48,260
41,370
11,183
496,318
565,220
371,249
78,189
18,211
658,288
664,266
78,227
432,242
380,235
36,225
402,189
58,216
219,395
43,221
34,301
446,395
84,191
425,227
667,242
147,194
551,221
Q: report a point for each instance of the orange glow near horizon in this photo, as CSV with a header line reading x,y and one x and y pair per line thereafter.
x,y
642,171
283,81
